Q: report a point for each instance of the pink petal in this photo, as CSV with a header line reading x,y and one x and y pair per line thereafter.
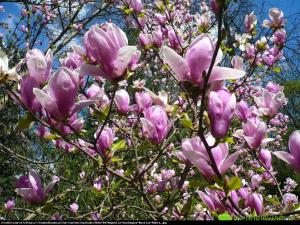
x,y
87,69
176,63
285,156
229,161
124,57
223,73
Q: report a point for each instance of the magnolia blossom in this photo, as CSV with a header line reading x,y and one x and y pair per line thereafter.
x,y
74,207
266,157
255,201
122,101
271,56
279,37
292,158
143,100
197,60
243,112
276,18
194,151
136,5
145,39
27,97
175,39
237,63
59,96
105,140
9,205
155,123
108,46
157,37
274,88
290,199
221,108
212,201
270,103
98,184
39,65
5,72
74,59
254,132
250,22
31,189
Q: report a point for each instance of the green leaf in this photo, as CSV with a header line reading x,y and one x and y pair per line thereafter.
x,y
128,11
224,216
234,183
229,140
277,69
102,114
25,122
186,122
51,137
116,159
214,187
119,145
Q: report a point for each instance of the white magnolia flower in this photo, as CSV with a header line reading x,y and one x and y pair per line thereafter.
x,y
5,72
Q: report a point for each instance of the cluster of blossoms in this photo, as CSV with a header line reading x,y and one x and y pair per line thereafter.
x,y
240,125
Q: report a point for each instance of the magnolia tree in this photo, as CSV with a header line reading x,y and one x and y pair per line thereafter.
x,y
174,127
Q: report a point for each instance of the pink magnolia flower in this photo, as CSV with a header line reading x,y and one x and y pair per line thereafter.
x,y
122,101
143,100
155,124
157,37
237,63
270,103
271,56
72,61
27,84
290,199
39,65
266,157
194,151
212,201
221,108
254,132
61,91
9,205
255,201
250,22
276,18
74,207
98,184
292,158
175,39
279,37
94,91
197,60
161,19
145,39
274,88
108,46
31,189
242,111
105,140
136,5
